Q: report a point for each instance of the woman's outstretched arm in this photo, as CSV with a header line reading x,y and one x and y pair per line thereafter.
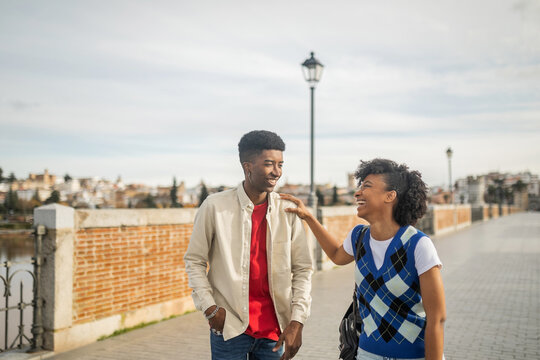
x,y
330,245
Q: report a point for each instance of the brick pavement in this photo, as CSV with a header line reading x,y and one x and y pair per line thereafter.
x,y
492,281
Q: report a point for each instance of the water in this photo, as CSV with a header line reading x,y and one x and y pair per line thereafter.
x,y
17,248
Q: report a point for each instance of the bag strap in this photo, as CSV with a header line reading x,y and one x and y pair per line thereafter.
x,y
359,241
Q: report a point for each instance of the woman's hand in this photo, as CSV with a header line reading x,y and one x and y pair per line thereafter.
x,y
332,247
300,210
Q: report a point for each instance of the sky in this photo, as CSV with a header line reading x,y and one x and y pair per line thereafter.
x,y
155,90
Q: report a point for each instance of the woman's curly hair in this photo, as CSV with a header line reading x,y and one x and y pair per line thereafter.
x,y
409,186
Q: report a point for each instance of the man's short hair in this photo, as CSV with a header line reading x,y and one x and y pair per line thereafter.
x,y
254,142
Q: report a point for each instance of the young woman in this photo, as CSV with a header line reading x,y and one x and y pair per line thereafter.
x,y
400,290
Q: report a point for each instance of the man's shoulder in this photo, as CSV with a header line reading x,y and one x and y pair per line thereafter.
x,y
222,197
279,203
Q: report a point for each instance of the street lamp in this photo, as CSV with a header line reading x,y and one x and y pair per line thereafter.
x,y
312,69
449,153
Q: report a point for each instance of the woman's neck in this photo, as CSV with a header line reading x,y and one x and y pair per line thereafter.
x,y
383,229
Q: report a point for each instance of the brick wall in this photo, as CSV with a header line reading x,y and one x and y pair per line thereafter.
x,y
486,212
107,270
464,215
448,218
444,217
338,220
121,269
494,211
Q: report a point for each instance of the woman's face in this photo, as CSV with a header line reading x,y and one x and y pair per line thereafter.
x,y
372,196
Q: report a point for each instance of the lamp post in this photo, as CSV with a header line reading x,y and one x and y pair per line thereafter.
x,y
449,153
312,69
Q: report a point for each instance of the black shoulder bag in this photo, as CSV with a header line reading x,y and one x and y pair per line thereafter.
x,y
351,324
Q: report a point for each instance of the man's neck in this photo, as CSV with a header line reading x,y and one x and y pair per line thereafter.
x,y
255,196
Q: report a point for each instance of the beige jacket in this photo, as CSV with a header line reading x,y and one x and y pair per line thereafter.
x,y
222,239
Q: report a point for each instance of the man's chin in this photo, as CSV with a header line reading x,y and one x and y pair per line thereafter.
x,y
269,188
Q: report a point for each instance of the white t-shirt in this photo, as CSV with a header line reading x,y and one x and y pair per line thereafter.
x,y
425,254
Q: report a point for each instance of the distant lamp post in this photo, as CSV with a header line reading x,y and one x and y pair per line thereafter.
x,y
312,69
449,154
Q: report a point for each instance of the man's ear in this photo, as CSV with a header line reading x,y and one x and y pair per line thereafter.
x,y
246,166
391,196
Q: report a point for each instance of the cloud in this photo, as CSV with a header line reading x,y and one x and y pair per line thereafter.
x,y
20,105
174,85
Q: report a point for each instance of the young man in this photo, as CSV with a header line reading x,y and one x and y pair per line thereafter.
x,y
256,293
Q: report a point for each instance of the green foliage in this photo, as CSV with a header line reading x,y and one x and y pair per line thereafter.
x,y
148,202
519,186
12,200
320,197
335,197
11,178
54,198
174,194
67,178
203,195
140,326
16,226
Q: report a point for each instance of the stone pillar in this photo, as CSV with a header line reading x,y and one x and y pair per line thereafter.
x,y
57,270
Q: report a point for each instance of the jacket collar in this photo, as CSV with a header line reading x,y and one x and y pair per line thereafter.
x,y
245,201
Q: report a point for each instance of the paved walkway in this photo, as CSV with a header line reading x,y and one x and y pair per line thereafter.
x,y
492,282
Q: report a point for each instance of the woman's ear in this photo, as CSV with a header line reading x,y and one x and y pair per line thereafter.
x,y
391,196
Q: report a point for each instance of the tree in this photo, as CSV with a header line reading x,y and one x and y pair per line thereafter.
x,y
67,178
35,201
203,194
519,186
491,196
320,197
12,200
174,195
54,198
509,195
12,178
335,197
499,191
146,202
1,175
149,201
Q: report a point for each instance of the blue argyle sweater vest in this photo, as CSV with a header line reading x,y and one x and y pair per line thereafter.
x,y
389,299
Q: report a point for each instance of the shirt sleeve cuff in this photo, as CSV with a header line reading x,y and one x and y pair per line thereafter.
x,y
298,314
205,303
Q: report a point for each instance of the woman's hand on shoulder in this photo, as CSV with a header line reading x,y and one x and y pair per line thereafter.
x,y
300,208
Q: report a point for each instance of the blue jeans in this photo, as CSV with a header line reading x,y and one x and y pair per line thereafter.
x,y
243,347
364,355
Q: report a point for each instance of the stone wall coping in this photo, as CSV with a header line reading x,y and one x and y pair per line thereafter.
x,y
450,206
85,219
54,216
337,210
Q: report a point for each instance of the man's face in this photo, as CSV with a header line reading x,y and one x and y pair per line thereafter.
x,y
264,170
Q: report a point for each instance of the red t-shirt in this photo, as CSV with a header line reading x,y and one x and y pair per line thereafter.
x,y
262,316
